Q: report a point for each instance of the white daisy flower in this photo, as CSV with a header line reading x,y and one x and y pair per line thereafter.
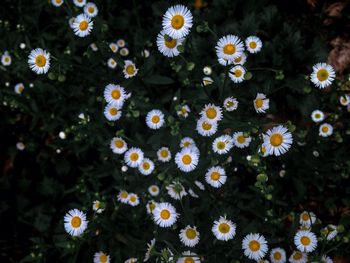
x,y
130,69
206,81
39,61
167,45
146,167
91,9
189,236
133,157
57,3
278,255
199,185
184,111
19,88
82,25
176,190
131,260
224,229
237,73
150,247
298,257
164,154
75,222
79,3
211,113
165,215
101,257
253,44
111,63
153,190
322,75
124,51
229,47
151,205
133,199
118,145
261,103
325,130
155,119
192,193
254,246
240,140
114,47
207,70
230,104
115,95
97,207
307,218
94,47
241,60
344,100
305,241
121,43
145,53
123,197
20,146
177,21
112,113
325,259
317,116
188,257
6,59
222,144
206,128
71,22
187,159
330,232
216,176
187,142
278,140
226,62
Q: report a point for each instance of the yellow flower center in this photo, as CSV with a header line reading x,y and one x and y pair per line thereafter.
x,y
215,176
259,103
20,89
186,159
277,255
40,61
97,205
254,245
237,60
211,113
252,45
183,110
191,233
146,166
154,189
317,115
177,21
76,222
83,25
130,69
58,1
134,157
206,126
263,149
113,48
276,139
229,104
306,217
113,111
119,143
170,43
152,206
7,59
189,260
155,119
91,9
116,94
132,198
224,228
297,255
238,73
103,258
229,49
186,144
124,195
325,129
322,74
241,139
221,145
164,153
165,214
305,240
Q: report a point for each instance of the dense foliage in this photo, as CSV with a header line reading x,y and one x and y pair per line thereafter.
x,y
55,139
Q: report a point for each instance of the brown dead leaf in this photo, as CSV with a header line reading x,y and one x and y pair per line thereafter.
x,y
339,57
